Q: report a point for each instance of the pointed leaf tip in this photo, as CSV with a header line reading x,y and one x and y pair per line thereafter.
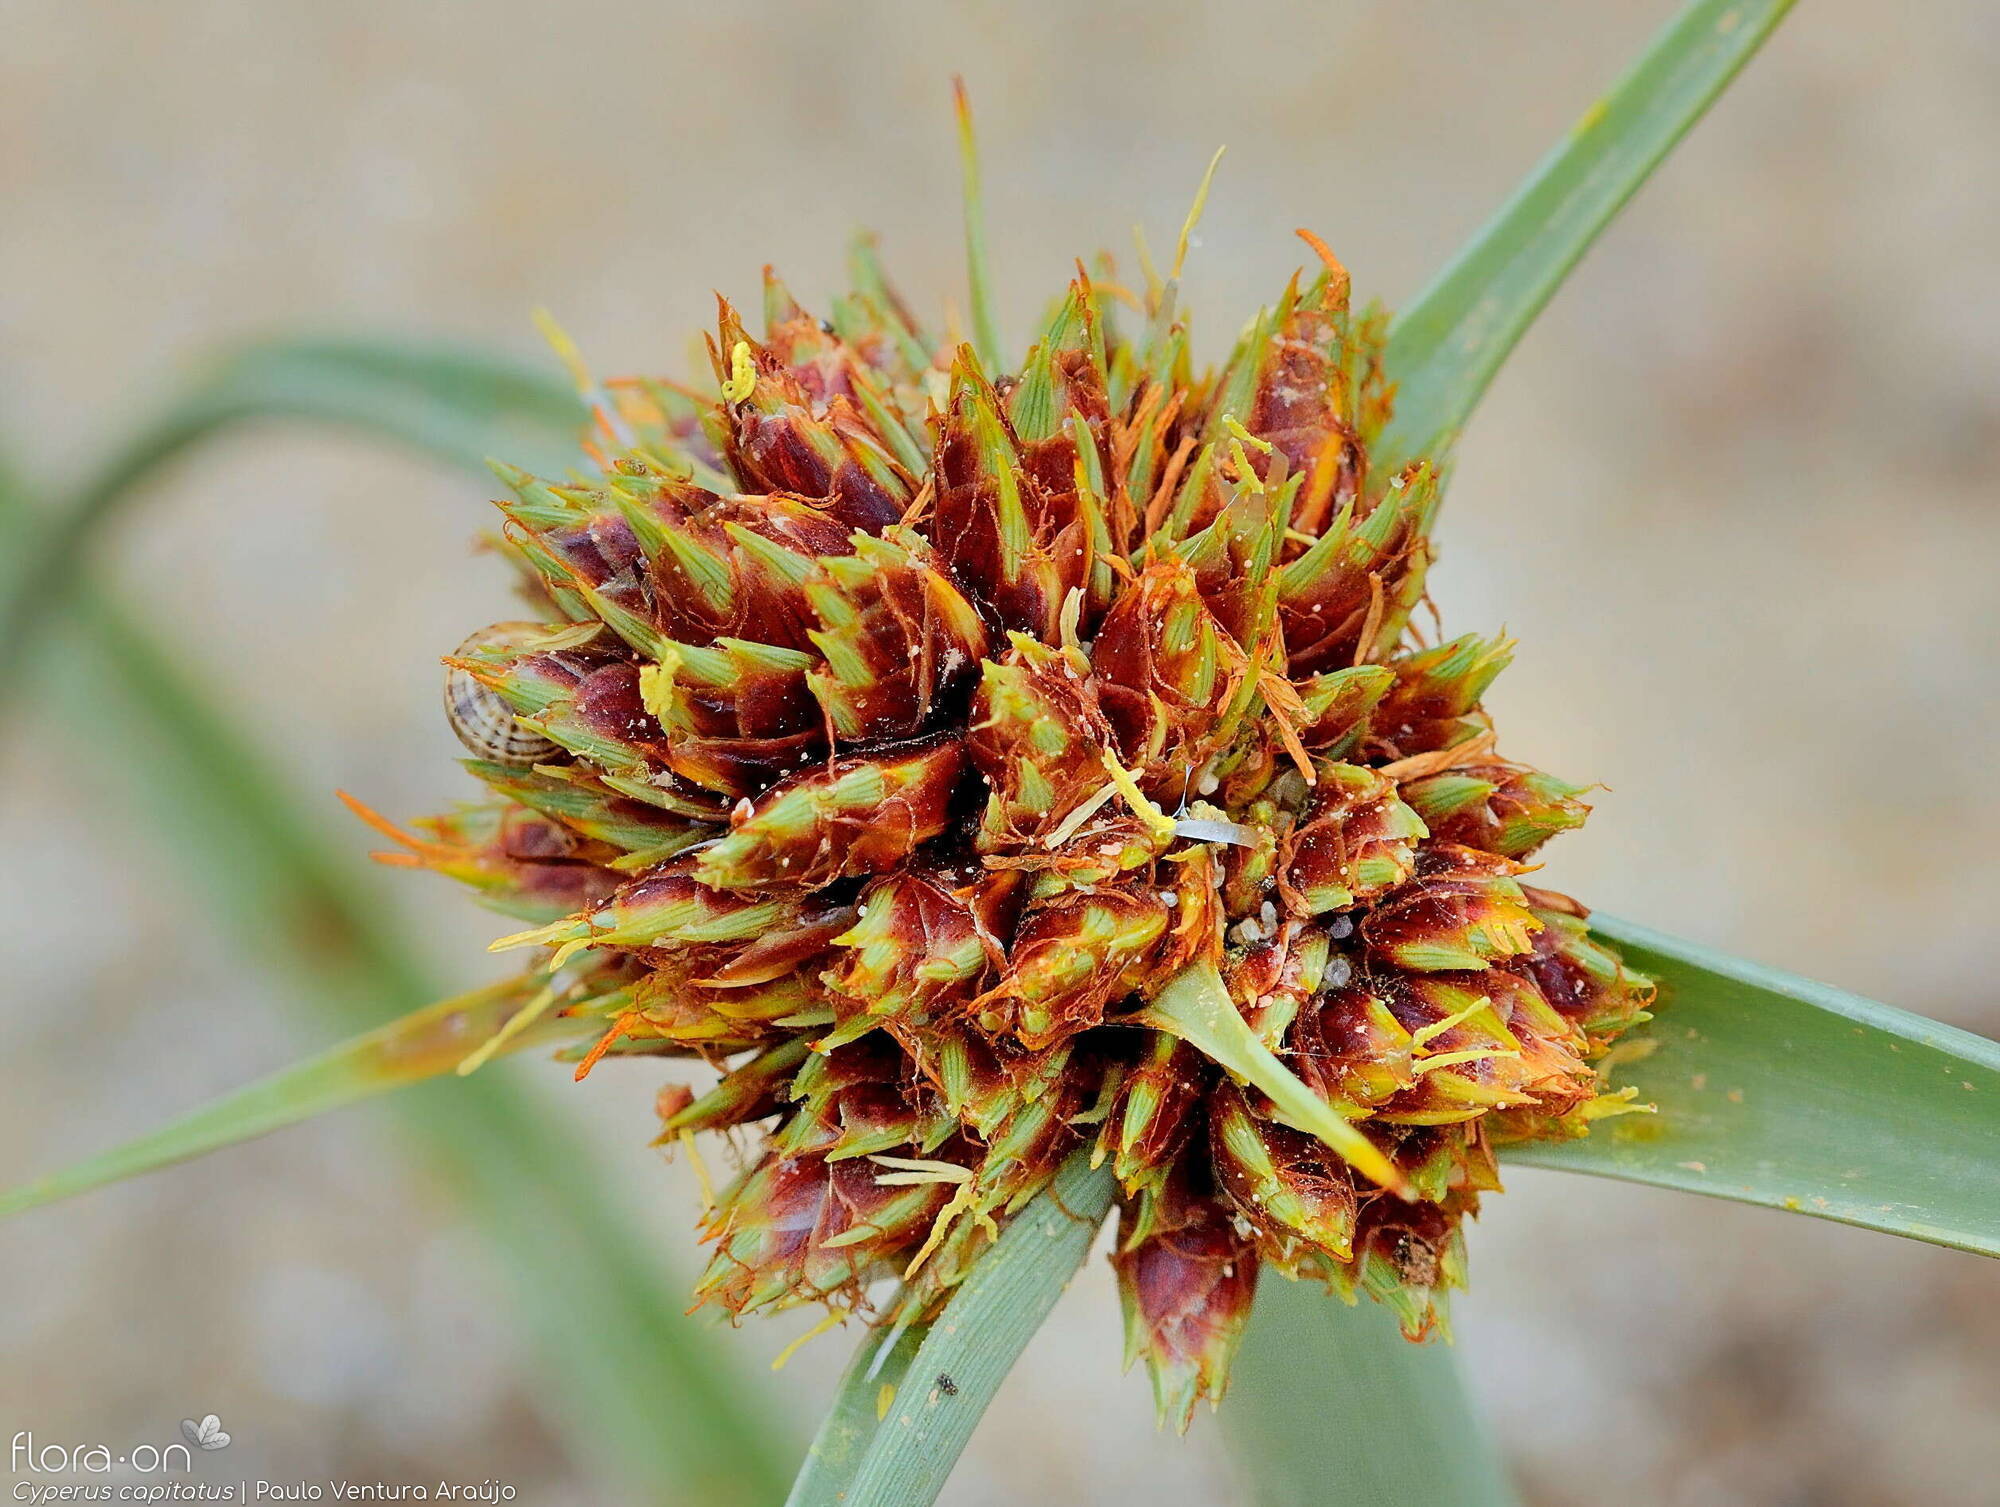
x,y
1446,347
421,1045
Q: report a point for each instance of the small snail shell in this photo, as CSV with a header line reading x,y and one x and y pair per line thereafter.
x,y
483,721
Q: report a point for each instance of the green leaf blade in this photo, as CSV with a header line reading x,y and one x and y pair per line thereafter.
x,y
974,1343
1778,1091
852,1423
456,405
1331,1407
1445,348
424,1044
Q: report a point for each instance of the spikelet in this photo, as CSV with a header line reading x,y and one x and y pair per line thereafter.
x,y
930,743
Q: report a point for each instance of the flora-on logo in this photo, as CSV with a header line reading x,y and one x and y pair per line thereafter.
x,y
207,1434
28,1454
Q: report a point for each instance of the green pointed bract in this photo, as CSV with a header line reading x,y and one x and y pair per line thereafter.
x,y
1501,808
801,1229
1435,702
1357,840
856,816
1464,910
1277,1179
1408,1259
920,946
732,714
647,836
852,1102
1063,374
752,1091
1159,1102
1039,739
1168,672
661,909
898,639
1337,705
1348,597
1071,957
1186,1283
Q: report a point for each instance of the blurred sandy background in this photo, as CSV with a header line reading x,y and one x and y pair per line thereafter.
x,y
1735,496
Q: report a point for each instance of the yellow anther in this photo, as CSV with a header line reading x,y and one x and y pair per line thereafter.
x,y
566,351
699,1168
742,374
1454,1059
1229,422
832,1320
1424,1035
911,1170
656,687
1127,785
514,1025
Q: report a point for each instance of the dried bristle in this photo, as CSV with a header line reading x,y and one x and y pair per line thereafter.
x,y
983,762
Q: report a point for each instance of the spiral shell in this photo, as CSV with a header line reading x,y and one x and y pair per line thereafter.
x,y
484,722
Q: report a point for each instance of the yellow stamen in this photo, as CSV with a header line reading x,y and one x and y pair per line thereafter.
x,y
1070,825
656,687
883,1399
831,1321
911,1169
1229,422
513,1026
1067,629
540,936
1453,1059
961,1200
699,1168
742,374
1605,1106
1128,786
1423,1035
1246,474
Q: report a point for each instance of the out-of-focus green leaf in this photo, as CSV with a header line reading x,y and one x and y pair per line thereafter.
x,y
424,1044
1778,1091
1445,347
972,1346
1329,1406
460,406
656,1399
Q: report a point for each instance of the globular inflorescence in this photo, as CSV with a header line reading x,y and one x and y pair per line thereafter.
x,y
982,765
